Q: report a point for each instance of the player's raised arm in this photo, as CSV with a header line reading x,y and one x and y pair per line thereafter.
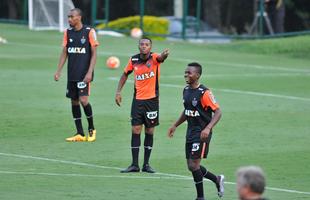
x,y
162,57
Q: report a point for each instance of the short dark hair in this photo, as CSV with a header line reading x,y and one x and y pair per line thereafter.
x,y
79,11
146,38
197,66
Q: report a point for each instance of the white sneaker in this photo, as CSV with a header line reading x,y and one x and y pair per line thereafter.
x,y
220,189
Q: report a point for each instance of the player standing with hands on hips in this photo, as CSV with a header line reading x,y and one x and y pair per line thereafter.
x,y
145,104
202,112
79,46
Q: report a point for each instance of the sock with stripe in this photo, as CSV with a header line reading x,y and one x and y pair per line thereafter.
x,y
208,175
135,146
148,145
76,113
198,178
89,115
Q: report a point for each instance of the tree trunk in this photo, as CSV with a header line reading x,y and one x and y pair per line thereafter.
x,y
211,13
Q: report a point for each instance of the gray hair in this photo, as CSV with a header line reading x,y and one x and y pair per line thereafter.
x,y
252,177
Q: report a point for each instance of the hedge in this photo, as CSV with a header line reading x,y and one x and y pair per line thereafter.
x,y
151,25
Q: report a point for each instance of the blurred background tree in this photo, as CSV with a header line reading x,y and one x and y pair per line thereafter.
x,y
226,15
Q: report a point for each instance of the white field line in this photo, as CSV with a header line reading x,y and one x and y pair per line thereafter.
x,y
240,75
184,60
164,175
235,91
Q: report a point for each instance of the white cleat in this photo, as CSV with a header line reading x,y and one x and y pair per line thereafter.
x,y
220,189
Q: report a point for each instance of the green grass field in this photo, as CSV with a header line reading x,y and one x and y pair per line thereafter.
x,y
265,100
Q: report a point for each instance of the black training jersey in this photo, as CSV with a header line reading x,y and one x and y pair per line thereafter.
x,y
79,45
199,105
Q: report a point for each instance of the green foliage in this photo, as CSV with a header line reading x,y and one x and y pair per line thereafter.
x,y
151,25
297,47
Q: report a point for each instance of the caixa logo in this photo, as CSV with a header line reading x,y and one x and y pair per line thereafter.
x,y
77,50
151,115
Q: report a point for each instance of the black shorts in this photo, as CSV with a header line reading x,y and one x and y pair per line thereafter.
x,y
145,112
77,89
197,150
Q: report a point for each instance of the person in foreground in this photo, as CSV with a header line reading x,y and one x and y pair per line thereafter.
x,y
79,46
202,112
145,103
250,183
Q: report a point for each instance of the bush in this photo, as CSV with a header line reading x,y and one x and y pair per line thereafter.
x,y
151,25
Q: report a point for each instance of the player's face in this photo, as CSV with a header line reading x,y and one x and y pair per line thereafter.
x,y
191,75
145,46
73,18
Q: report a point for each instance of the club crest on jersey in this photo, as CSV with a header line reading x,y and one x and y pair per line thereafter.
x,y
141,77
70,40
148,65
83,40
192,113
195,146
151,115
194,102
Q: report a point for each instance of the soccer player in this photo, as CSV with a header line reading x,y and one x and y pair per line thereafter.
x,y
250,183
79,46
202,112
145,104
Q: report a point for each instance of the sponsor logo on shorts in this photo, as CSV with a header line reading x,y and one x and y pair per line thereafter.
x,y
195,146
151,115
81,85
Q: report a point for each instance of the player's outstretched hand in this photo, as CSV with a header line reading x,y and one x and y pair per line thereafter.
x,y
165,53
171,131
118,99
57,76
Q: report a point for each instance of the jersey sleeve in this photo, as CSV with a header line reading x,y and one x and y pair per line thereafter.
x,y
155,56
92,36
65,39
129,68
208,100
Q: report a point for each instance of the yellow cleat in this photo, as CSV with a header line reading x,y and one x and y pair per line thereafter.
x,y
77,138
91,135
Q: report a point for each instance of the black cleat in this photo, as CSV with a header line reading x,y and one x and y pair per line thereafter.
x,y
131,168
147,168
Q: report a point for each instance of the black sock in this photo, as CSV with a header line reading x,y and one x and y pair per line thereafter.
x,y
76,113
89,115
203,171
208,175
198,178
135,145
148,145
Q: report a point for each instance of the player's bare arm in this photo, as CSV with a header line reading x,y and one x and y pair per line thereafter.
x,y
174,126
89,74
62,61
206,131
162,57
121,83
